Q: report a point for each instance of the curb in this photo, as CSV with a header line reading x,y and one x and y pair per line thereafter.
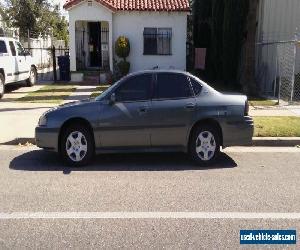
x,y
276,141
18,141
257,141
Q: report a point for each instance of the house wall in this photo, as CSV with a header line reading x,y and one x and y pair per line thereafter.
x,y
278,20
132,24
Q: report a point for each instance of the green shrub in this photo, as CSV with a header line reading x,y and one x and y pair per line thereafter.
x,y
122,47
124,67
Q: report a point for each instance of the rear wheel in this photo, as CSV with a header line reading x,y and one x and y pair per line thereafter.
x,y
77,145
204,145
2,88
32,77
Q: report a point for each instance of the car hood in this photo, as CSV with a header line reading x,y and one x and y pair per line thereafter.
x,y
76,103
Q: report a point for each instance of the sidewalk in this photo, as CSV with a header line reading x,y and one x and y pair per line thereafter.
x,y
18,120
275,111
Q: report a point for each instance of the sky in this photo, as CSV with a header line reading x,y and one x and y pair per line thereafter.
x,y
61,2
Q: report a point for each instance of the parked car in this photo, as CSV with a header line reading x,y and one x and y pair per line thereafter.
x,y
148,111
16,64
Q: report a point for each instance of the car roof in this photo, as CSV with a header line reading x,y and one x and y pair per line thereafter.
x,y
153,71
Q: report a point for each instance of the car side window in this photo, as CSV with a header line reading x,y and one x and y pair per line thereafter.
x,y
136,88
20,49
171,86
196,86
3,48
12,48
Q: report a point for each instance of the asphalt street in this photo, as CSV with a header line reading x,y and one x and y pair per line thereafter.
x,y
247,180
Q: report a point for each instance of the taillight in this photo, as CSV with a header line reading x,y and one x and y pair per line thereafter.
x,y
246,113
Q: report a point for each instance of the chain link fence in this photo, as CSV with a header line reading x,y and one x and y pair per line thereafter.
x,y
278,70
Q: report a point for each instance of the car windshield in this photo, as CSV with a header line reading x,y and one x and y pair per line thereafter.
x,y
106,92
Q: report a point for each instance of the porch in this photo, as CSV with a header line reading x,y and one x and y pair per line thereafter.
x,y
90,46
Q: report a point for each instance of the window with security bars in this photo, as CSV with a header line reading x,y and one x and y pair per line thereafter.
x,y
157,41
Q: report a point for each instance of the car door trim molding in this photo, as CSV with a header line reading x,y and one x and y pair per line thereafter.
x,y
105,128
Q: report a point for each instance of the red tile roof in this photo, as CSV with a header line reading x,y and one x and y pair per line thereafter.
x,y
139,5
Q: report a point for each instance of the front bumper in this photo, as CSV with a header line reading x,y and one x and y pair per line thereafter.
x,y
238,132
47,138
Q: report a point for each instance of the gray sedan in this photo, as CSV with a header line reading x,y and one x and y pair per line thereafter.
x,y
149,111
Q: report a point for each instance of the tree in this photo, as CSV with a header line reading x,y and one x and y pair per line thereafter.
x,y
40,17
216,53
248,76
235,16
201,23
221,27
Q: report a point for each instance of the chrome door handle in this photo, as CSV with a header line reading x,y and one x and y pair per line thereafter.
x,y
190,106
143,110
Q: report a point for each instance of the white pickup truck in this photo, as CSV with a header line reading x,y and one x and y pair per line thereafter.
x,y
16,64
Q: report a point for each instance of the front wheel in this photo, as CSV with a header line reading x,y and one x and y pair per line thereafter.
x,y
32,77
77,145
205,145
2,88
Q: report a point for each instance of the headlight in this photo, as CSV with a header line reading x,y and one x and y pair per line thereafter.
x,y
43,120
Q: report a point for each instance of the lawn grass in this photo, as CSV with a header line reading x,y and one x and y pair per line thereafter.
x,y
99,90
54,93
277,126
260,101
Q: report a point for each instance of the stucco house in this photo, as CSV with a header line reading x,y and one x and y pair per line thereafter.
x,y
156,30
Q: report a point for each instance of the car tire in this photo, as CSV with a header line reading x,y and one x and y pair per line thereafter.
x,y
204,146
2,87
31,81
77,145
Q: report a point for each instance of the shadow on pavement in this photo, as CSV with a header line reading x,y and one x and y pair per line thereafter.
x,y
40,160
14,86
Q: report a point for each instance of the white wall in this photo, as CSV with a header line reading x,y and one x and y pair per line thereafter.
x,y
132,24
278,20
83,12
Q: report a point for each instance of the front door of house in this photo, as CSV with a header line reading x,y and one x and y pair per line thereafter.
x,y
95,44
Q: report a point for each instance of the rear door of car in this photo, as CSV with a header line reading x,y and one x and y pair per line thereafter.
x,y
173,106
126,122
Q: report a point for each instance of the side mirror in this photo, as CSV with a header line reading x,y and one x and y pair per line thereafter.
x,y
112,99
27,53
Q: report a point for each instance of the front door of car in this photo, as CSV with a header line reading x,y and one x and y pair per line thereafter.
x,y
13,62
22,63
125,121
173,107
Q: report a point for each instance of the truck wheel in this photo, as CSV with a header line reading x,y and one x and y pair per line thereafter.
x,y
1,86
32,77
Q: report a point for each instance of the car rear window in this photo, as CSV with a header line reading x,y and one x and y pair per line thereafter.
x,y
3,48
196,86
170,86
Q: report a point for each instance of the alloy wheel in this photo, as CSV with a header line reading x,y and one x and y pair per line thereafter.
x,y
206,145
76,146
